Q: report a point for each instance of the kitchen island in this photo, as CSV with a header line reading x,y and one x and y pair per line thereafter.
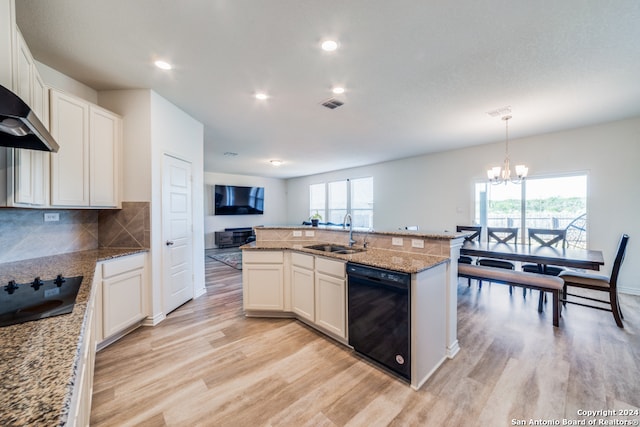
x,y
287,267
40,358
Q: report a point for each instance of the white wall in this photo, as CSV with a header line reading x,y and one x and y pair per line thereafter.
x,y
135,107
152,128
435,191
275,204
176,133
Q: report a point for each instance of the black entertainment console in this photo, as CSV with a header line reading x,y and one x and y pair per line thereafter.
x,y
231,237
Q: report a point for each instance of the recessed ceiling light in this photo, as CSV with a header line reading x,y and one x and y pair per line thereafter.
x,y
338,90
329,45
261,96
276,162
163,65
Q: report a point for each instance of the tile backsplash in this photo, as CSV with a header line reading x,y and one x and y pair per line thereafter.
x,y
129,227
24,234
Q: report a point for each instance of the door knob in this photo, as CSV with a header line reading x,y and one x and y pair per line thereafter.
x,y
169,243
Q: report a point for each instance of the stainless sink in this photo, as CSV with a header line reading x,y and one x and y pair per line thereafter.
x,y
336,249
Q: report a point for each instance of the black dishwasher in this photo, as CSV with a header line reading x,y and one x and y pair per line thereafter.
x,y
379,316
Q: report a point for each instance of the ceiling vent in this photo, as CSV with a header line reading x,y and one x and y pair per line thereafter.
x,y
332,103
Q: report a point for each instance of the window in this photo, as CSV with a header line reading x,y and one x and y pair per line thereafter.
x,y
317,200
362,202
335,199
554,202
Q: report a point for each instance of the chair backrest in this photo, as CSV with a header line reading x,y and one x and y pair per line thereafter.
x,y
622,247
547,236
502,234
471,237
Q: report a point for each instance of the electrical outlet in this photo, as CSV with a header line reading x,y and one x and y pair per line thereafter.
x,y
51,217
417,243
297,233
309,233
397,241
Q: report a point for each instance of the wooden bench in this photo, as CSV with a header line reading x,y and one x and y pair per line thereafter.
x,y
524,279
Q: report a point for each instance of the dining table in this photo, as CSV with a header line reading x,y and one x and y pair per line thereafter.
x,y
543,255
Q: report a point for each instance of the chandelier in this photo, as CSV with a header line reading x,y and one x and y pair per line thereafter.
x,y
499,175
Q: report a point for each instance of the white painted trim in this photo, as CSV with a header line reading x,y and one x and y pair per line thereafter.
x,y
154,320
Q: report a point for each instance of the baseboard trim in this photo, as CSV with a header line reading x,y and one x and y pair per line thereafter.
x,y
630,291
154,320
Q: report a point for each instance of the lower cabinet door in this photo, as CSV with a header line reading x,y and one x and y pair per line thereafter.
x,y
302,292
263,287
331,304
122,301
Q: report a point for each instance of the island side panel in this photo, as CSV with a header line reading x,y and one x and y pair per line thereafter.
x,y
428,323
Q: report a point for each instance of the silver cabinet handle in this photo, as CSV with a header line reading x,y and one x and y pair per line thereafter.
x,y
169,243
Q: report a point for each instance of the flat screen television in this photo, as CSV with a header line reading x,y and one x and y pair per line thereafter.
x,y
237,200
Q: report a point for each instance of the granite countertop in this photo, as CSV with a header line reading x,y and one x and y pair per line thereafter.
x,y
39,358
406,262
444,235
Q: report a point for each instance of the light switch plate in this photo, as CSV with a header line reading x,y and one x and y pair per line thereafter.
x,y
397,241
309,233
51,217
417,243
297,233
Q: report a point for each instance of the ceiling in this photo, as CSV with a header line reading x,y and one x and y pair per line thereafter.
x,y
420,76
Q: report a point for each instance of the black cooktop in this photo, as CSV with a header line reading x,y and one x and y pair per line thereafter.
x,y
25,302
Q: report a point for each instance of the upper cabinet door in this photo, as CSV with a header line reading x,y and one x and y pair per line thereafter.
x,y
105,136
70,165
31,168
7,42
24,70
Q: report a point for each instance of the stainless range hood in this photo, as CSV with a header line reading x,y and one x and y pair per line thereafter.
x,y
19,126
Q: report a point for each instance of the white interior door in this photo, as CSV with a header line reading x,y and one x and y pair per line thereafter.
x,y
177,233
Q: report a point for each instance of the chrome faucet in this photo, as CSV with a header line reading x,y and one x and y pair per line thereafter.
x,y
344,224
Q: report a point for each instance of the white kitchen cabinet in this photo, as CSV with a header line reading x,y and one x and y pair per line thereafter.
x,y
7,42
80,406
104,151
331,296
121,293
263,280
317,288
27,180
303,286
70,165
85,172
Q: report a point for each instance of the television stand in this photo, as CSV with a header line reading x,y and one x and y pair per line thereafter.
x,y
232,237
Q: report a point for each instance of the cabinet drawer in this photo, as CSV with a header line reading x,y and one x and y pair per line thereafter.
x,y
122,265
262,257
302,260
330,267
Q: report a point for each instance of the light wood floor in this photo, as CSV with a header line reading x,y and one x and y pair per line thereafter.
x,y
208,365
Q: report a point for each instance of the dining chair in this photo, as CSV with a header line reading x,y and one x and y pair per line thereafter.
x,y
545,237
475,236
598,282
500,235
549,237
